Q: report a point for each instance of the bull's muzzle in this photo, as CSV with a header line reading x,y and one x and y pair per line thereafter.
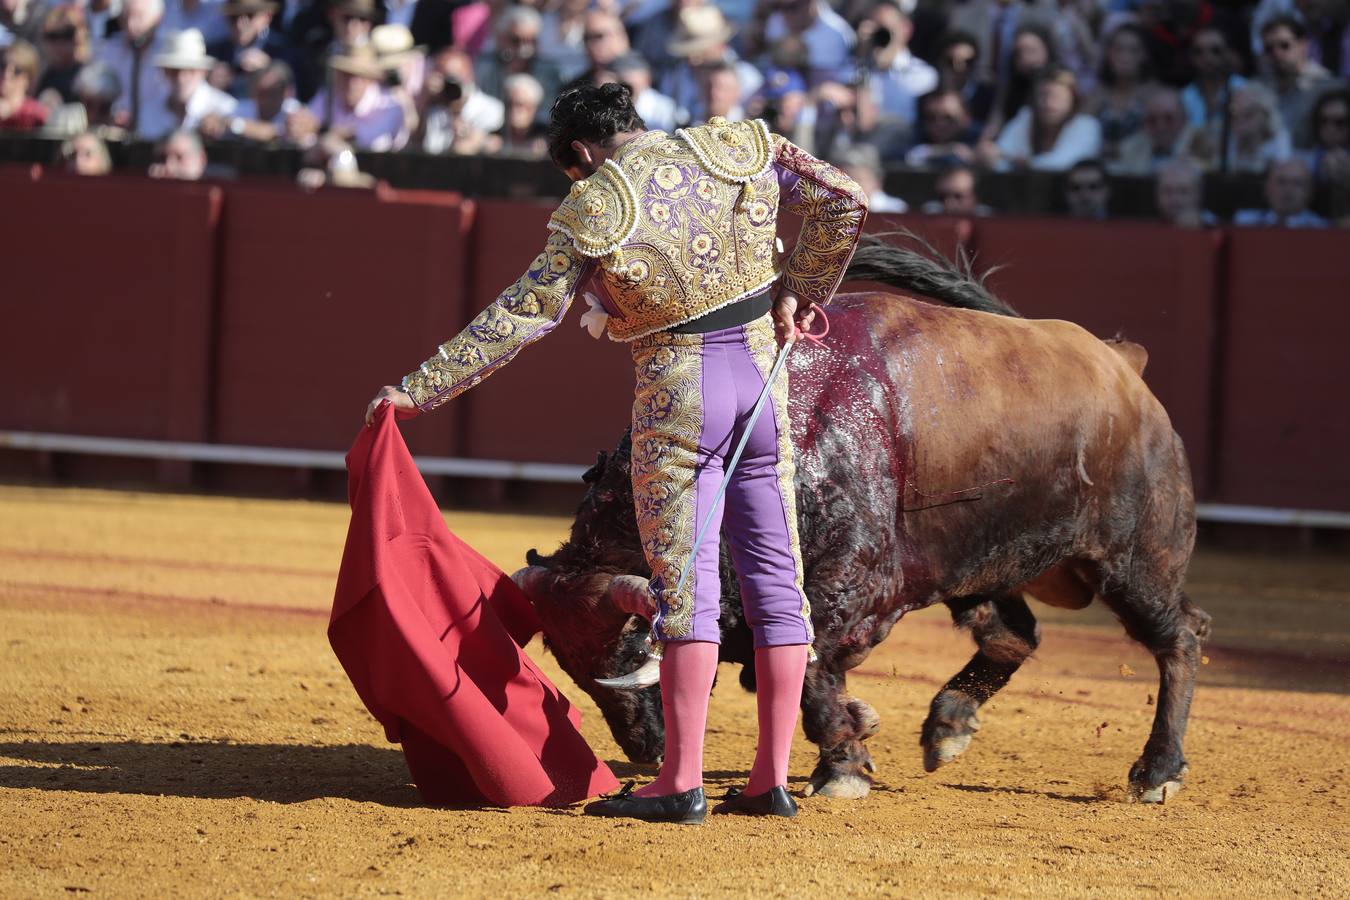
x,y
628,594
631,594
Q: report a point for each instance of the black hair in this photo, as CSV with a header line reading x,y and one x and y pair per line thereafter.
x,y
1336,95
1088,165
956,38
1105,74
584,112
1296,28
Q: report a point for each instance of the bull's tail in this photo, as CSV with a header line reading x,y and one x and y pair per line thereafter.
x,y
929,274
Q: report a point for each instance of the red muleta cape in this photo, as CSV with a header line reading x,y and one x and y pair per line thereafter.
x,y
430,634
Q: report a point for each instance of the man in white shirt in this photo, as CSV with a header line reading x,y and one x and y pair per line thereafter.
x,y
188,99
459,116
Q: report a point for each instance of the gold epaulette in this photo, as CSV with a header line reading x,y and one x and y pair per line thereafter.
x,y
600,212
738,152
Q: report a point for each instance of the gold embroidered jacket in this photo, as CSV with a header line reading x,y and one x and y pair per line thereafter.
x,y
669,229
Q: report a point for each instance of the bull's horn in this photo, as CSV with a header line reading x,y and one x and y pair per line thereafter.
x,y
630,594
526,578
648,674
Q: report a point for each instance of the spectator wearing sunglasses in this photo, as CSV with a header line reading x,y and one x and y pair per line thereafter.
x,y
1329,158
65,45
1087,193
517,53
946,134
1295,78
956,194
18,74
1214,63
605,40
252,45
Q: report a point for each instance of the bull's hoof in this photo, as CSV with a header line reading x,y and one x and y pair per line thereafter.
x,y
945,741
1138,793
1143,789
839,787
944,751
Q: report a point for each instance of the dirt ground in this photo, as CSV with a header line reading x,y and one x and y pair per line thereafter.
x,y
173,723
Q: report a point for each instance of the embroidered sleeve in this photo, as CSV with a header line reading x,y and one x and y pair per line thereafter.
x,y
834,208
521,314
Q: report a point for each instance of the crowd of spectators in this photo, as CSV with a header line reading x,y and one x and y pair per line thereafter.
x,y
1166,89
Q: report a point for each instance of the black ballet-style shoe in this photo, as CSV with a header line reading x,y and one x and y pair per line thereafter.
x,y
776,801
687,808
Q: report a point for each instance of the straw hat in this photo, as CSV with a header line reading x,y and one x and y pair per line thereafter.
x,y
360,60
393,44
700,27
184,50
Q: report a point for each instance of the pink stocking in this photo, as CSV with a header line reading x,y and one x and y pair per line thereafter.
x,y
687,672
779,672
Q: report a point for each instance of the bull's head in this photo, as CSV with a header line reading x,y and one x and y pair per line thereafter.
x,y
591,596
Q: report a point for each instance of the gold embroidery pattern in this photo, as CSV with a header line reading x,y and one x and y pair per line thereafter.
x,y
759,337
522,313
600,212
667,426
834,209
735,151
693,248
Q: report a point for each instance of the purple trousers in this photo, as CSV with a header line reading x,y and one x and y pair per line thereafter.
x,y
694,396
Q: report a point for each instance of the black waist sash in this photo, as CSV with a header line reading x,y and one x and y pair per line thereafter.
x,y
742,312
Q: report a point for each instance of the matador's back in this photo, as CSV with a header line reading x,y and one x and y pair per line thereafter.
x,y
681,225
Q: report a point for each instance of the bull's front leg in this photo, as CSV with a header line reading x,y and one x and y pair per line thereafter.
x,y
838,724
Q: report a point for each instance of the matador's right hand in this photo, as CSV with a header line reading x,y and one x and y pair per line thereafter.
x,y
400,400
790,316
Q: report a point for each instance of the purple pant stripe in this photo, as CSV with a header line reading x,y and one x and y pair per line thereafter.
x,y
752,513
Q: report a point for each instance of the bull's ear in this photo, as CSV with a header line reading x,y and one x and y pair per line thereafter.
x,y
592,475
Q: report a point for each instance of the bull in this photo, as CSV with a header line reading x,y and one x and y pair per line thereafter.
x,y
948,451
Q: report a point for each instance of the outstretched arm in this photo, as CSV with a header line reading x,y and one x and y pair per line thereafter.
x,y
520,315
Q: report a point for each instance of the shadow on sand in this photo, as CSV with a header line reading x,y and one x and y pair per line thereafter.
x,y
280,773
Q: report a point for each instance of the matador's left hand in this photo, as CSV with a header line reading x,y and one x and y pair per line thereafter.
x,y
398,398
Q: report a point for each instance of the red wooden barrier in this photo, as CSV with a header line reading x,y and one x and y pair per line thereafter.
x,y
1152,284
108,287
325,298
1284,431
138,310
565,396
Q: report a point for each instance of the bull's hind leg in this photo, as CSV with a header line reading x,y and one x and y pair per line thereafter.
x,y
1006,634
838,724
1173,630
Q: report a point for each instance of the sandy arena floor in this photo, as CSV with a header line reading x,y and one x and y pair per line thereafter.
x,y
173,723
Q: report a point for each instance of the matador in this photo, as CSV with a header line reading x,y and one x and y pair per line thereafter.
x,y
672,239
